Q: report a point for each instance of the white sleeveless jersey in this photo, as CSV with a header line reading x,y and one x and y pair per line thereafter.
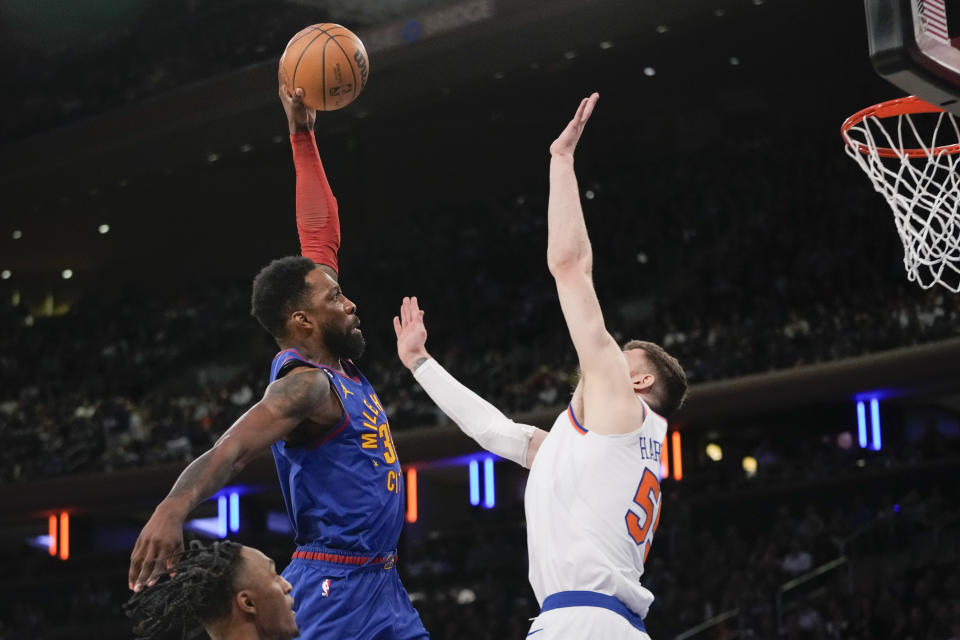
x,y
592,506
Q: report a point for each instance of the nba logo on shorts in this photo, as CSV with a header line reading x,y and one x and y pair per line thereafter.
x,y
325,588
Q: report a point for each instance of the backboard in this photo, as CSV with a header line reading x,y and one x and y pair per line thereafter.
x,y
915,44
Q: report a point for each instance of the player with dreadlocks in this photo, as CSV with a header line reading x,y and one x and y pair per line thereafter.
x,y
232,590
328,431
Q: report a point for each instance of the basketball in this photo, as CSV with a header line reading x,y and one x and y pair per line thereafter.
x,y
328,62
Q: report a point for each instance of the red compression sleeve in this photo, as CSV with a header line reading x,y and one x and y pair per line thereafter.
x,y
318,222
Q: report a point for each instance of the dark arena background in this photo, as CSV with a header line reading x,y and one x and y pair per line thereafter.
x,y
811,483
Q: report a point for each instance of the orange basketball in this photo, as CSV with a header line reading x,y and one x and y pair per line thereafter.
x,y
328,62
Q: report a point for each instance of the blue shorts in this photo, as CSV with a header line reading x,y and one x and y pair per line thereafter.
x,y
342,596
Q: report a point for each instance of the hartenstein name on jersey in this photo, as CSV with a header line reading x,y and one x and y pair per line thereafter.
x,y
650,449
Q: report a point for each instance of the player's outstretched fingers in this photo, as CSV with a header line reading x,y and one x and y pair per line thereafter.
x,y
160,564
396,326
591,102
136,563
147,566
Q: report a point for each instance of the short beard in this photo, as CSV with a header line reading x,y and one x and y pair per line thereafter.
x,y
344,346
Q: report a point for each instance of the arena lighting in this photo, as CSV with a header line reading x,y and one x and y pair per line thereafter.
x,y
734,61
862,424
589,194
52,528
222,516
212,157
234,511
714,452
649,72
227,519
719,12
569,55
5,274
750,466
67,274
17,234
39,542
489,489
875,423
246,148
606,44
411,495
104,229
64,541
662,28
664,462
474,483
278,522
206,526
677,459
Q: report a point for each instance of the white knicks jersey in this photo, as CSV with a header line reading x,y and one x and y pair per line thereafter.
x,y
592,506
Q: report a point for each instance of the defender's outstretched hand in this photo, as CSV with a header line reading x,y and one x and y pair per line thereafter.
x,y
299,116
567,142
411,334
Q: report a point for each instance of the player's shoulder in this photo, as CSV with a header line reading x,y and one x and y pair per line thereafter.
x,y
300,390
635,422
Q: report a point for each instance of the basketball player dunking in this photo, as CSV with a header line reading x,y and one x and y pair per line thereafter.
x,y
593,495
329,433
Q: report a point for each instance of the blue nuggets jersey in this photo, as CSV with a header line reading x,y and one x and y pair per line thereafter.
x,y
344,491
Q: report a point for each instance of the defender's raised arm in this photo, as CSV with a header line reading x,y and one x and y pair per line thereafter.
x,y
609,398
475,416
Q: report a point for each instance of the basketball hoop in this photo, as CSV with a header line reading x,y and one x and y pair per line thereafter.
x,y
917,173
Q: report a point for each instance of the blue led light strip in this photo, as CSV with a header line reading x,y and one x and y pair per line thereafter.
x,y
222,516
489,490
875,423
862,424
234,512
474,483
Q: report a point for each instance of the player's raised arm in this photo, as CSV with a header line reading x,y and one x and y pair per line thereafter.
x,y
609,400
318,220
475,416
286,403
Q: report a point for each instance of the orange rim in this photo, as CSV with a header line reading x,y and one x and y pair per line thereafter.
x,y
897,107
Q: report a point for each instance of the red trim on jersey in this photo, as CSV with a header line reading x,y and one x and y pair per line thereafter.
x,y
342,559
340,373
323,366
573,420
332,433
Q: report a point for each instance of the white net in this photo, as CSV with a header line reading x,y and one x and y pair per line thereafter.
x,y
917,175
